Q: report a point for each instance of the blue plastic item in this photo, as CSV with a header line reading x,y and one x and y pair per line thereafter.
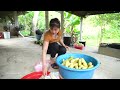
x,y
70,73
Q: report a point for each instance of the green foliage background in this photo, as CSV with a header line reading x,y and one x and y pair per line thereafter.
x,y
110,24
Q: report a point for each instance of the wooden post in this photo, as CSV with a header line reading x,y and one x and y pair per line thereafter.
x,y
81,28
47,19
16,18
62,21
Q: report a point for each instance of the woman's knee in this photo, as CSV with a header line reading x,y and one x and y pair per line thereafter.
x,y
53,54
62,50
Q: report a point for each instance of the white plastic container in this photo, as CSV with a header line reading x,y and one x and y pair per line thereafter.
x,y
6,35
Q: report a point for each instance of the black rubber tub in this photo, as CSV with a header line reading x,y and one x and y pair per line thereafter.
x,y
114,45
67,41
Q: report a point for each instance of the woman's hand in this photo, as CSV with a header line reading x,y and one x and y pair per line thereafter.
x,y
61,42
67,47
44,70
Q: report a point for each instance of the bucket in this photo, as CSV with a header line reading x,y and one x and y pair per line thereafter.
x,y
6,35
67,41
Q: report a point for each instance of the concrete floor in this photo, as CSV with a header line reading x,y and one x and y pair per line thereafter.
x,y
19,55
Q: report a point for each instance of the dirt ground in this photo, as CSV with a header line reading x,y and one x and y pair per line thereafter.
x,y
19,55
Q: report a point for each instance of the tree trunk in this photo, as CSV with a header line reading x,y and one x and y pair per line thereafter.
x,y
101,34
72,33
34,22
16,18
25,21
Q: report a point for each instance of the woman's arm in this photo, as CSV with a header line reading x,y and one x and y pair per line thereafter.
x,y
61,42
44,51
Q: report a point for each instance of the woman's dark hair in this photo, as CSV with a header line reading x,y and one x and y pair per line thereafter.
x,y
54,23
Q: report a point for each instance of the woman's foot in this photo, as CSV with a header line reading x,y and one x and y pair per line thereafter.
x,y
53,64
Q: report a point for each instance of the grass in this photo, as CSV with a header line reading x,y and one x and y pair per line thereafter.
x,y
25,33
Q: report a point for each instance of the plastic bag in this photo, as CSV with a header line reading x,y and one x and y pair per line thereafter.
x,y
52,75
38,66
45,77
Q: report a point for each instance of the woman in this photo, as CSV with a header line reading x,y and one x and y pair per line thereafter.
x,y
53,44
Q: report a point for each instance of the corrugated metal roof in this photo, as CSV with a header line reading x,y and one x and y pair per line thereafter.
x,y
84,13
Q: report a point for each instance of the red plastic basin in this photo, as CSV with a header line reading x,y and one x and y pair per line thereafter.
x,y
79,47
33,75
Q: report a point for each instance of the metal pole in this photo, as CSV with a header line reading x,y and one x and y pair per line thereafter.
x,y
81,21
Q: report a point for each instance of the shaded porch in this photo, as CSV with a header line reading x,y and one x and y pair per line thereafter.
x,y
17,59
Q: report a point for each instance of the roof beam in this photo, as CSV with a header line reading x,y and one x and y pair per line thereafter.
x,y
85,13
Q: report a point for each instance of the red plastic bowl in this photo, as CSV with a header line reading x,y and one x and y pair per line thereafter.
x,y
33,75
